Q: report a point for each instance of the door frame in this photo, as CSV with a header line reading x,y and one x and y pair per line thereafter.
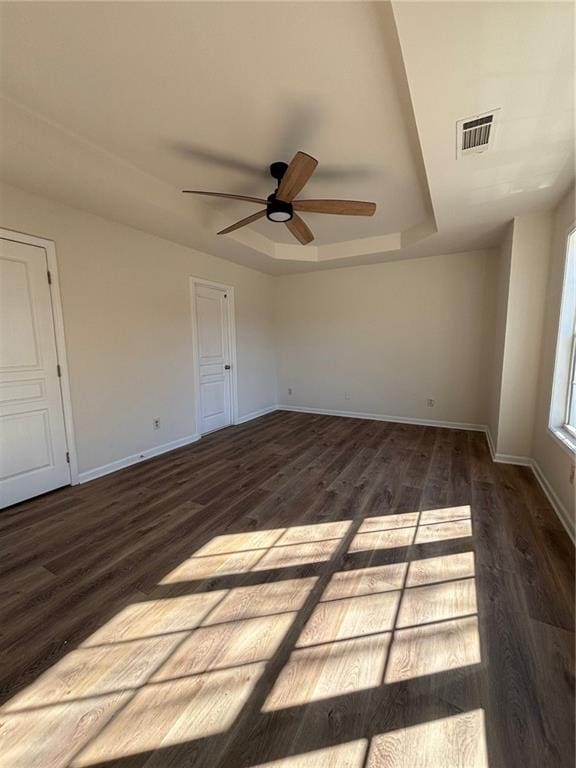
x,y
231,321
49,248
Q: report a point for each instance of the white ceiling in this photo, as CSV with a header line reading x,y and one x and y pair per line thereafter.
x,y
516,57
116,107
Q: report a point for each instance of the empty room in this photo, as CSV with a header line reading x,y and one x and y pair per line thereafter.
x,y
287,384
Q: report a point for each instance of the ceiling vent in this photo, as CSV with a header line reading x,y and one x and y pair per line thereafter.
x,y
475,134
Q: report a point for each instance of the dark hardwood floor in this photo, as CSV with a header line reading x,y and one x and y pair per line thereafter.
x,y
295,592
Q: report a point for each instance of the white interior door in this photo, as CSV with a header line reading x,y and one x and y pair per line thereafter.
x,y
33,449
214,365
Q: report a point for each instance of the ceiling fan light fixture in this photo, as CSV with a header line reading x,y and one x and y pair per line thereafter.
x,y
279,216
278,211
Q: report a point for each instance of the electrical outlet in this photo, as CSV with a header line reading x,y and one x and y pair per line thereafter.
x,y
430,402
346,395
289,390
156,423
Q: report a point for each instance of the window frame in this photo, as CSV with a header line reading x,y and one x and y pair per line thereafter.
x,y
563,389
571,394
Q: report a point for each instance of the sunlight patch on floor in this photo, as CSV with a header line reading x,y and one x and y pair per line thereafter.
x,y
409,619
402,530
268,599
300,534
174,669
157,617
443,568
435,602
232,543
349,755
455,529
387,539
444,514
329,670
174,712
56,733
293,555
365,581
450,742
89,672
212,566
350,617
433,648
411,519
245,642
389,522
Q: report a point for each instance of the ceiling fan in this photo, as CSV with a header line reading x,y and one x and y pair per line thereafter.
x,y
281,206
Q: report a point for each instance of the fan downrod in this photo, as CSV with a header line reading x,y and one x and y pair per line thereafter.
x,y
277,171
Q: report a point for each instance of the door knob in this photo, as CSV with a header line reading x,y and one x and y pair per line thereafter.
x,y
226,367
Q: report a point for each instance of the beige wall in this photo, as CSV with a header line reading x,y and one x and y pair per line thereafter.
x,y
499,331
126,307
553,460
474,331
391,335
525,263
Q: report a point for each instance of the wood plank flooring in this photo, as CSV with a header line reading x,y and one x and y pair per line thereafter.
x,y
296,592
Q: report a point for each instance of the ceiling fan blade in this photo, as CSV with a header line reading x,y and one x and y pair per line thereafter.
x,y
300,229
340,207
224,194
243,222
296,176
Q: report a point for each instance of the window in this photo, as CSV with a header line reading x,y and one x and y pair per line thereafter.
x,y
571,407
563,406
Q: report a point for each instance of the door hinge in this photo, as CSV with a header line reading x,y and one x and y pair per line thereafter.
x,y
49,277
59,371
67,457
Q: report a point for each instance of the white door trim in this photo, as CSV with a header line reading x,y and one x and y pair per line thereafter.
x,y
56,300
229,289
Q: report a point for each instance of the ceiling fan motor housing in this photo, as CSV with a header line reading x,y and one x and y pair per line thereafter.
x,y
278,210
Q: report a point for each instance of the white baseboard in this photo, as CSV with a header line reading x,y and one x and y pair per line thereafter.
x,y
490,443
525,461
506,458
563,514
503,458
114,466
256,414
385,417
